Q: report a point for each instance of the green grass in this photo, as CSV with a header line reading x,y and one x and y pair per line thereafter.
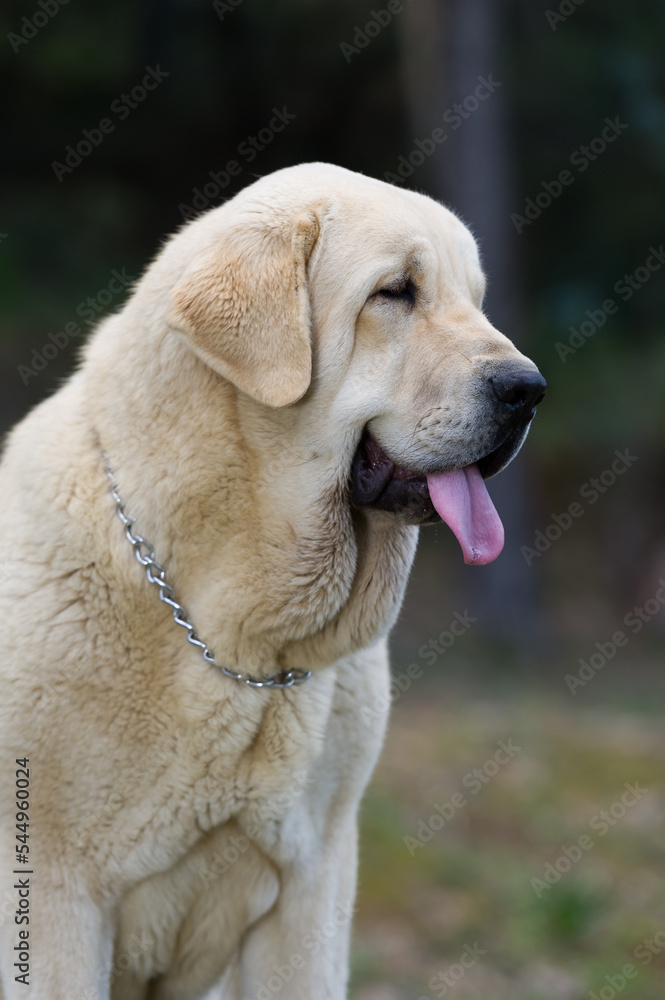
x,y
471,881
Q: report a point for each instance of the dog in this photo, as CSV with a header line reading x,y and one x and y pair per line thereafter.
x,y
302,377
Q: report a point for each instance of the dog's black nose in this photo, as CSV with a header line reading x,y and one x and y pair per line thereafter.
x,y
519,390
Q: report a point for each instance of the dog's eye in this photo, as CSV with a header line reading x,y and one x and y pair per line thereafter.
x,y
404,291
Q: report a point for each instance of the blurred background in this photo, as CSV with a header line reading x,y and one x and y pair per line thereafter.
x,y
544,128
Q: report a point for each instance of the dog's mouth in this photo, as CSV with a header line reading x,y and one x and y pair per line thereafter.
x,y
457,496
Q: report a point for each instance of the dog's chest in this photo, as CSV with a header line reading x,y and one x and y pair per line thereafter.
x,y
271,761
275,806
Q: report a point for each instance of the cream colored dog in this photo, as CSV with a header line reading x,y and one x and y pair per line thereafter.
x,y
301,377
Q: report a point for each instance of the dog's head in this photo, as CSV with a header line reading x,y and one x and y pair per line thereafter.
x,y
357,307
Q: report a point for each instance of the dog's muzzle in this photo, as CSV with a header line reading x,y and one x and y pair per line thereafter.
x,y
457,494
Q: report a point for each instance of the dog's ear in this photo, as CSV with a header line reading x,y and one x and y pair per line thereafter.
x,y
245,308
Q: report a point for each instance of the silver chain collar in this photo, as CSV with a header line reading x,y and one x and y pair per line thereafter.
x,y
156,575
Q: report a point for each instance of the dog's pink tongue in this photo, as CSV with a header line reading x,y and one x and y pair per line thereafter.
x,y
462,501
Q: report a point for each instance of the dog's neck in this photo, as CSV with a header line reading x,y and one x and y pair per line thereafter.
x,y
252,523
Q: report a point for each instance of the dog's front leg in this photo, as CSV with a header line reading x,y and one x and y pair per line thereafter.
x,y
300,950
69,946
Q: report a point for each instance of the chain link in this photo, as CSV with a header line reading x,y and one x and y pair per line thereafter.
x,y
156,575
